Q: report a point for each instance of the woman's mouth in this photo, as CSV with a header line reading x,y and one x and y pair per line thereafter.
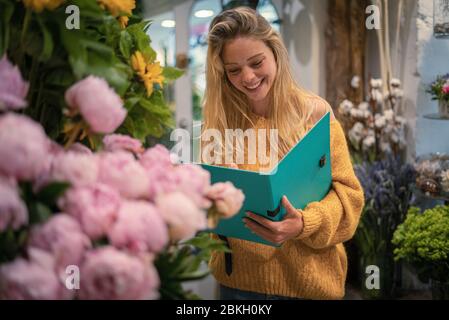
x,y
255,86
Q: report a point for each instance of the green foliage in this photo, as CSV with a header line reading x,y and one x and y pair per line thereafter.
x,y
423,240
52,58
183,263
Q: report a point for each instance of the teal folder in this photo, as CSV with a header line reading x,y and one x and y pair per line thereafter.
x,y
303,175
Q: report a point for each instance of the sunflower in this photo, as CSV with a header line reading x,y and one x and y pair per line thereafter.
x,y
40,5
149,73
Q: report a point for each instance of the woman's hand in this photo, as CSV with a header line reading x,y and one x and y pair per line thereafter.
x,y
277,232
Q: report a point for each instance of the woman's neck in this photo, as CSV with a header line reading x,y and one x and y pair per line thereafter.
x,y
260,107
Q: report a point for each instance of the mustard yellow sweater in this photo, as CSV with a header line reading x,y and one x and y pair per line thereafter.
x,y
313,265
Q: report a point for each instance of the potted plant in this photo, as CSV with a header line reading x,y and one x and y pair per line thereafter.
x,y
439,89
423,240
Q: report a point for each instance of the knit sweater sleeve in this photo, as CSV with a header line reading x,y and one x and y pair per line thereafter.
x,y
334,219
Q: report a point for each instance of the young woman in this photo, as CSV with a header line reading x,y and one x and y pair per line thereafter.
x,y
250,86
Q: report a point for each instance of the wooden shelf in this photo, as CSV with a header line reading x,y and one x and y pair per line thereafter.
x,y
435,116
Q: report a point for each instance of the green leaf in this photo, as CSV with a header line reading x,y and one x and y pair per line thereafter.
x,y
50,193
48,45
125,44
171,73
6,11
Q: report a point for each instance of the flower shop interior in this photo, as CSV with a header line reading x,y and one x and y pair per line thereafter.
x,y
383,66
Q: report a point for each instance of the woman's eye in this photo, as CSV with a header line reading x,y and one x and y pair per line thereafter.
x,y
233,71
257,64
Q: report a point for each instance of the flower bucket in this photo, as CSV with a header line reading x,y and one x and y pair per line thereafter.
x,y
443,108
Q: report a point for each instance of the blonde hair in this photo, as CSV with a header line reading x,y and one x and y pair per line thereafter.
x,y
225,107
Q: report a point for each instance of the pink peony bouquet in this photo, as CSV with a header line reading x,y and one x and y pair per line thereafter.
x,y
77,224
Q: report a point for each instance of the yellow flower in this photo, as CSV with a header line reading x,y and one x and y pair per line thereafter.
x,y
118,7
123,20
40,5
149,73
138,63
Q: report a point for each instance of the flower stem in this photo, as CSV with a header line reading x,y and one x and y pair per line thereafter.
x,y
75,132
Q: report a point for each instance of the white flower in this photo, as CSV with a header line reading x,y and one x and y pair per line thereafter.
x,y
345,107
377,96
356,113
445,180
385,147
380,121
376,83
397,93
368,142
389,114
395,82
363,105
356,133
355,82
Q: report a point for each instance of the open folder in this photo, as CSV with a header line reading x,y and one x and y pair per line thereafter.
x,y
303,175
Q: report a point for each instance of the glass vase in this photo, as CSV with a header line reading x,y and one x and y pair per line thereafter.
x,y
443,109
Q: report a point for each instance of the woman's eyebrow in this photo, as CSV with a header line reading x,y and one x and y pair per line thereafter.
x,y
254,56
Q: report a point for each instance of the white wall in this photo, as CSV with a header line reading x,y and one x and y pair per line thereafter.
x,y
304,22
432,59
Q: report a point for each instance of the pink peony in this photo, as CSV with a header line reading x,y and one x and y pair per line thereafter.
x,y
139,228
109,274
13,212
99,105
157,155
76,168
61,236
13,89
184,218
121,171
446,88
33,279
194,181
95,207
114,142
226,197
24,147
80,148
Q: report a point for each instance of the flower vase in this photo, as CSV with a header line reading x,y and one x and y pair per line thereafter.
x,y
443,109
440,289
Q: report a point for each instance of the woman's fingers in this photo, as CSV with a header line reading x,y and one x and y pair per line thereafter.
x,y
288,206
270,225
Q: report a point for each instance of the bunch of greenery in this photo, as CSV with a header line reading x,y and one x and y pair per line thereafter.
x,y
423,240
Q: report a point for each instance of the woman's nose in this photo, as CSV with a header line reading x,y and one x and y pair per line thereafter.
x,y
247,75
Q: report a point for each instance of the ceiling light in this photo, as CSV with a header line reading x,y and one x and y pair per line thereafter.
x,y
204,13
168,23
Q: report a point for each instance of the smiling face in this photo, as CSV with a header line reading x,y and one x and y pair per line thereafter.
x,y
250,67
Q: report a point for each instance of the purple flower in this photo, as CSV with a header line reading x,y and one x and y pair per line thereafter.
x,y
13,88
114,142
121,171
139,228
99,105
24,147
13,212
109,274
95,207
61,236
183,217
33,279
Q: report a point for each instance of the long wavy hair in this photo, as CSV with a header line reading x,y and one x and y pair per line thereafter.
x,y
225,107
